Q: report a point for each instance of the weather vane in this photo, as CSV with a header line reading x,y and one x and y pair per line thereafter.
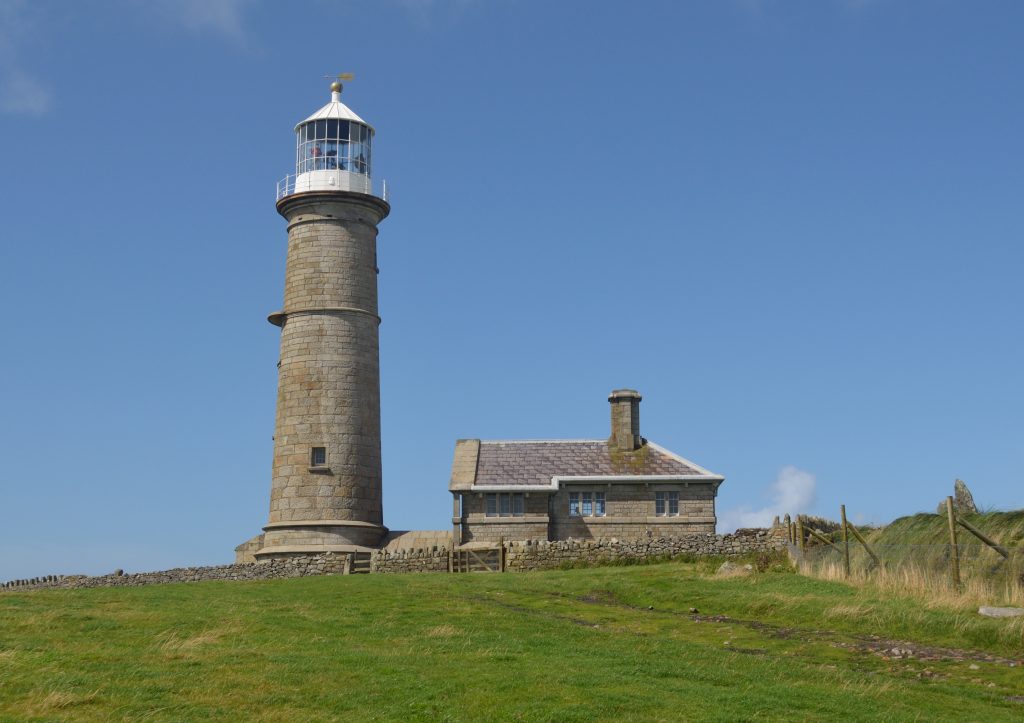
x,y
336,85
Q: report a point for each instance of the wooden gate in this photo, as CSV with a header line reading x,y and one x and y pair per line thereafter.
x,y
360,563
480,559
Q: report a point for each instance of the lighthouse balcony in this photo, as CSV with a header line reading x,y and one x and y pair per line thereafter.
x,y
329,180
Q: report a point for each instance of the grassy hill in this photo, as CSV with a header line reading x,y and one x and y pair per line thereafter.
x,y
1006,528
615,643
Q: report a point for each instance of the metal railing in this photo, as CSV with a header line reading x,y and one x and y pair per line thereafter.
x,y
292,184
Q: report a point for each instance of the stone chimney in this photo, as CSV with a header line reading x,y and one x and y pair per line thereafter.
x,y
625,420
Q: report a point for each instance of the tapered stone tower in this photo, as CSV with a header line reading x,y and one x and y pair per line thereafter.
x,y
326,489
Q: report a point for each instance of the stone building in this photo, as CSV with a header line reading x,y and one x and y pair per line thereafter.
x,y
624,487
325,494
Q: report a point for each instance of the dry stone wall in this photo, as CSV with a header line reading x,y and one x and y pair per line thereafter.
x,y
519,557
418,560
299,566
543,555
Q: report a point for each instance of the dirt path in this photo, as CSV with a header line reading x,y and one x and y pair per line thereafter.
x,y
874,644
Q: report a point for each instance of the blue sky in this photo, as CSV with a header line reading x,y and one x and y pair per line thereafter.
x,y
795,227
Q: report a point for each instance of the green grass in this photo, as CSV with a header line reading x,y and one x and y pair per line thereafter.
x,y
1006,528
615,643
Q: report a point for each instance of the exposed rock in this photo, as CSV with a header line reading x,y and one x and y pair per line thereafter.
x,y
728,569
990,612
963,500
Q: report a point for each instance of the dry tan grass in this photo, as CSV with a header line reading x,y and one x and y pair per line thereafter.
x,y
57,700
936,591
171,644
443,631
853,612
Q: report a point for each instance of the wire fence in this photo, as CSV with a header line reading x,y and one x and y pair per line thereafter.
x,y
926,568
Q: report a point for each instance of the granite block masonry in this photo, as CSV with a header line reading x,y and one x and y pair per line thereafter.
x,y
326,489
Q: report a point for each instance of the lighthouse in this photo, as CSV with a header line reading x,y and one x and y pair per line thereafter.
x,y
325,492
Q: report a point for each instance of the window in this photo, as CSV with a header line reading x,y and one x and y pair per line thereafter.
x,y
318,457
666,504
333,144
505,504
586,504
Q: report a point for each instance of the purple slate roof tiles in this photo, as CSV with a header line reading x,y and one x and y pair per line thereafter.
x,y
535,463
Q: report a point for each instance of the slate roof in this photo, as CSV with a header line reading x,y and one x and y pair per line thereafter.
x,y
535,463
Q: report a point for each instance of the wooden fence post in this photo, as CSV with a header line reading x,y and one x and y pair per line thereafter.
x,y
846,540
954,557
867,548
984,538
800,533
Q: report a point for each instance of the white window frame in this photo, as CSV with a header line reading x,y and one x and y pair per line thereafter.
x,y
588,503
666,503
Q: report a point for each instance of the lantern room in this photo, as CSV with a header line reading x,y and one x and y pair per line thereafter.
x,y
332,151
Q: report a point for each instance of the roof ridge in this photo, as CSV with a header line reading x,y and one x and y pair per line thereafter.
x,y
540,441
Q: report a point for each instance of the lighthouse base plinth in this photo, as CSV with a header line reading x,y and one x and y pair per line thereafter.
x,y
283,539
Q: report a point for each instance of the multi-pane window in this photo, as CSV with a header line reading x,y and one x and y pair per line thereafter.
x,y
504,504
325,145
318,457
586,504
666,504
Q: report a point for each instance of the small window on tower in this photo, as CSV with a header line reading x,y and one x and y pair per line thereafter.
x,y
318,458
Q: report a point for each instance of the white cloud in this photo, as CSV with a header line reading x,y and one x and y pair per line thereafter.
x,y
20,92
792,492
226,18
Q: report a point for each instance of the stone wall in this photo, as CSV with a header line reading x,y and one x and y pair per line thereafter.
x,y
519,557
299,566
420,560
544,555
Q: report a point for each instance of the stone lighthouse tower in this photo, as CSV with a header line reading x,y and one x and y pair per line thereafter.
x,y
326,489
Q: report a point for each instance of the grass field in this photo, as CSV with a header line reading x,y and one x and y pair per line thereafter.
x,y
614,643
